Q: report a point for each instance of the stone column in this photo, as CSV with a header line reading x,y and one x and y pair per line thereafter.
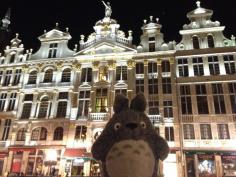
x,y
54,104
131,79
34,105
7,100
146,78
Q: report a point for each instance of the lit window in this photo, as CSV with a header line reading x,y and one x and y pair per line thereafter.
x,y
101,100
153,107
186,103
121,73
48,76
21,135
165,66
103,73
183,67
39,134
80,132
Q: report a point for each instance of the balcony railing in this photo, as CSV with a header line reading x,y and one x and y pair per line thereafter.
x,y
50,84
98,116
155,119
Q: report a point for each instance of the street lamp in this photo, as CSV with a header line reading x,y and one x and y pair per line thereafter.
x,y
51,159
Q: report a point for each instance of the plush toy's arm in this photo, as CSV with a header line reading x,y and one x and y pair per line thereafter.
x,y
160,146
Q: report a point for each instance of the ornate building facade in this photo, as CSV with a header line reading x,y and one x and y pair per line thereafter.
x,y
55,102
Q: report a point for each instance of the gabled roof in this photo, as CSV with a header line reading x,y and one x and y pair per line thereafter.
x,y
105,47
54,35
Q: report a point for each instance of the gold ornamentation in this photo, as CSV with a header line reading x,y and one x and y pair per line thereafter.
x,y
111,65
131,64
96,65
159,60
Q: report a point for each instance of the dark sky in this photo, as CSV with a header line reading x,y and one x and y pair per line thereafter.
x,y
30,18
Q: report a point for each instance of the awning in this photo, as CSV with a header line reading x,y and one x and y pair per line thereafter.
x,y
74,152
23,148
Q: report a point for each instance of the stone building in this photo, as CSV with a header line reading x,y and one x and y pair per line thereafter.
x,y
55,102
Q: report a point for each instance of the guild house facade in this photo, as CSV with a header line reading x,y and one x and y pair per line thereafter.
x,y
55,102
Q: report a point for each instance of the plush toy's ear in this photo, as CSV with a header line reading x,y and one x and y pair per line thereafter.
x,y
139,103
121,103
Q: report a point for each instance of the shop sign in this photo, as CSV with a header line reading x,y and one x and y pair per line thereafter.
x,y
206,166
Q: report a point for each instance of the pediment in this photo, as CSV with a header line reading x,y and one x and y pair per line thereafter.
x,y
105,48
55,34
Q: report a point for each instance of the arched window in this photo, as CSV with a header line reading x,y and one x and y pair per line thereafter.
x,y
12,58
21,135
165,66
39,133
48,76
195,42
58,134
43,110
32,77
210,41
65,77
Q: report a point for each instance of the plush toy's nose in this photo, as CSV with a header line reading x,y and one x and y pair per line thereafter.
x,y
131,125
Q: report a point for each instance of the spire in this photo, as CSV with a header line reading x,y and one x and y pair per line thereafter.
x,y
6,20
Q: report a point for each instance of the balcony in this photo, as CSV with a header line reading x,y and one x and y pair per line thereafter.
x,y
155,119
99,116
49,84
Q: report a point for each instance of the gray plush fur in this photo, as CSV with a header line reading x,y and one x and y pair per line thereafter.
x,y
126,116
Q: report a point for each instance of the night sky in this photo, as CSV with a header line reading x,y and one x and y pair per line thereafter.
x,y
31,18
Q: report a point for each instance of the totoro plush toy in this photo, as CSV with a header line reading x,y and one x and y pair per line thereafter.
x,y
129,146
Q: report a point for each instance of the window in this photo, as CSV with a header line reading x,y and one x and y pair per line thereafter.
x,y
189,131
198,66
213,65
152,44
153,86
139,85
65,77
61,109
169,133
165,66
52,53
26,110
183,67
48,76
218,97
229,64
153,107
223,131
21,135
232,92
205,131
101,100
6,129
210,41
152,67
103,73
80,132
166,85
168,110
32,77
186,102
39,134
86,75
12,102
63,95
121,73
195,42
7,78
58,134
139,68
17,77
202,103
12,58
121,91
84,101
43,110
3,97
1,76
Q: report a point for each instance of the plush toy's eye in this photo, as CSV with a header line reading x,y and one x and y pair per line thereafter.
x,y
117,126
143,124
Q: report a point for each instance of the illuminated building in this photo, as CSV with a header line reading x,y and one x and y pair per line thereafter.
x,y
57,100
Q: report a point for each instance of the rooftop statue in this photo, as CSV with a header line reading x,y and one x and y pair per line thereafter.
x,y
108,10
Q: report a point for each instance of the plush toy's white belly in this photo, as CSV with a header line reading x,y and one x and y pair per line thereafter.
x,y
130,158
